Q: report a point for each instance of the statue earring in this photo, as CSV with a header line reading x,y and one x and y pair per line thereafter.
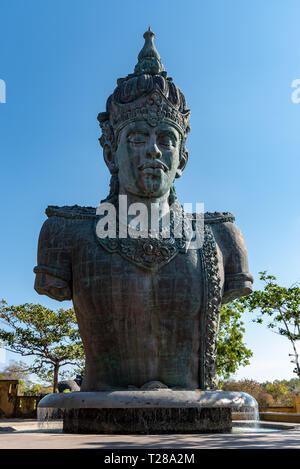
x,y
113,168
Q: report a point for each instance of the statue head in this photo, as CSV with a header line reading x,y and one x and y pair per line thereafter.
x,y
144,129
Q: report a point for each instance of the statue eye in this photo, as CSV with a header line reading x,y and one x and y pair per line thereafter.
x,y
166,140
137,138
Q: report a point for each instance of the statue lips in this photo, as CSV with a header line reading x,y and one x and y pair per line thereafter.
x,y
152,165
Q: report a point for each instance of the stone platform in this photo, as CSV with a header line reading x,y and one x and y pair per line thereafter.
x,y
144,411
148,420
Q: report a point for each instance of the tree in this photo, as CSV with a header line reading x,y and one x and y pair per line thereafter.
x,y
251,387
294,385
280,308
52,338
15,370
19,370
231,351
280,392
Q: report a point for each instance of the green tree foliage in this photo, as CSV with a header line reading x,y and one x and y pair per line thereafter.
x,y
15,370
293,385
19,370
231,351
268,394
280,392
34,389
51,337
253,388
279,307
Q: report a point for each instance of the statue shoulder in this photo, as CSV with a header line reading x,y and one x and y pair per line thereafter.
x,y
58,227
56,243
58,231
229,238
227,234
73,212
213,218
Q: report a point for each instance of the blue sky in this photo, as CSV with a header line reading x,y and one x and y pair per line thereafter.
x,y
234,61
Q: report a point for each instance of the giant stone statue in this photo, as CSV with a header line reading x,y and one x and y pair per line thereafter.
x,y
147,305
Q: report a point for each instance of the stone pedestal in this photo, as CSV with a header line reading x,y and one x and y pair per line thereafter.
x,y
148,420
155,411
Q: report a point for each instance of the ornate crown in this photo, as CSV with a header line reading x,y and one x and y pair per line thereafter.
x,y
147,94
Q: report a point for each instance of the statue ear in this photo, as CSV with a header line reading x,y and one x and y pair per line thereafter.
x,y
182,164
109,158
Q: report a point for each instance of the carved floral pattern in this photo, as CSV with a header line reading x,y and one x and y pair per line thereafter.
x,y
212,308
149,253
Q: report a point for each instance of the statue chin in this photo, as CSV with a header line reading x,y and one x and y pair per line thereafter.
x,y
146,185
149,192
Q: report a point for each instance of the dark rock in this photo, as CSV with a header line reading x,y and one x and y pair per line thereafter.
x,y
69,384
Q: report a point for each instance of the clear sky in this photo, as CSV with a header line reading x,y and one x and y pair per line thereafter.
x,y
234,61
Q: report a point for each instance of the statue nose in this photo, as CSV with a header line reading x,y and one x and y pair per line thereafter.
x,y
153,151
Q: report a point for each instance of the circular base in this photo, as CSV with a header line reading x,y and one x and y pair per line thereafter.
x,y
164,398
144,411
148,420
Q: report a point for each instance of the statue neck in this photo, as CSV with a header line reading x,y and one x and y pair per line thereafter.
x,y
161,203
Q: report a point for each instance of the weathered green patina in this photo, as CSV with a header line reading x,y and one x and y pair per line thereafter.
x,y
147,307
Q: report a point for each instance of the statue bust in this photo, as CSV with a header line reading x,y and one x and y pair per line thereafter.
x,y
147,305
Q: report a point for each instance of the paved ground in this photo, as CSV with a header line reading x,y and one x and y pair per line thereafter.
x,y
26,435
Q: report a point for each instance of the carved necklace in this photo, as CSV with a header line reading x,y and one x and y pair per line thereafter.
x,y
153,251
176,216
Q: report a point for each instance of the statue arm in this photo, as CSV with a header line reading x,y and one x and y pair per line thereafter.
x,y
237,279
53,272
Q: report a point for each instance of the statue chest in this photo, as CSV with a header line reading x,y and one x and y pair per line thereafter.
x,y
139,324
114,285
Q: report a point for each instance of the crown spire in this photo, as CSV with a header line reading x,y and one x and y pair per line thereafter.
x,y
148,59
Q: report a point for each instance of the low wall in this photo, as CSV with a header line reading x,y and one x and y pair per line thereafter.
x,y
280,417
282,414
295,408
287,410
8,394
26,406
14,406
296,404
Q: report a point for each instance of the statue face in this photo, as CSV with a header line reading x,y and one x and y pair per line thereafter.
x,y
148,158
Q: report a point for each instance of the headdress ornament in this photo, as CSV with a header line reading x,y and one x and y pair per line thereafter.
x,y
147,94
